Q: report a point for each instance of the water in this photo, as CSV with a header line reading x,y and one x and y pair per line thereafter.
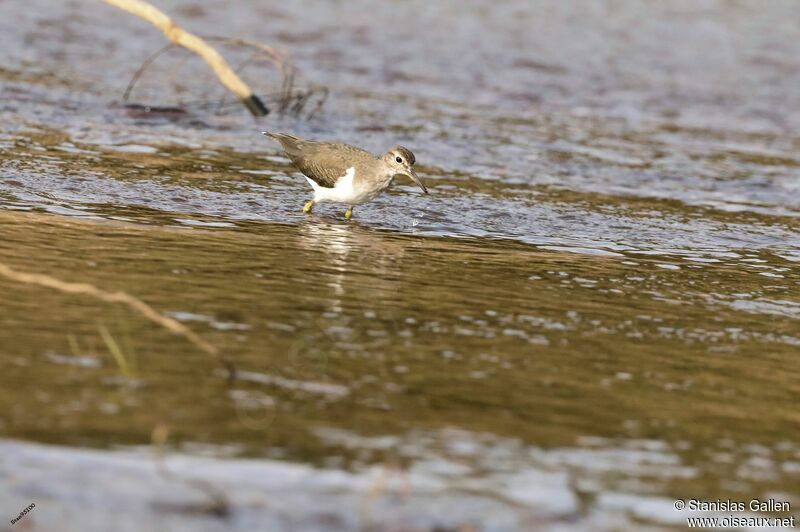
x,y
592,314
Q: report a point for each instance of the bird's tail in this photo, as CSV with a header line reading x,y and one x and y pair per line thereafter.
x,y
280,137
289,143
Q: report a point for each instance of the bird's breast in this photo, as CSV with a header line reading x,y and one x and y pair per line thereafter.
x,y
353,188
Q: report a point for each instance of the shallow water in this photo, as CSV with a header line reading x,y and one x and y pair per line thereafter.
x,y
593,313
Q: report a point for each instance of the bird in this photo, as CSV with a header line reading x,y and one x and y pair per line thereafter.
x,y
341,173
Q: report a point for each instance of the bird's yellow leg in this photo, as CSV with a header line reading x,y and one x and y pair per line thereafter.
x,y
308,206
348,213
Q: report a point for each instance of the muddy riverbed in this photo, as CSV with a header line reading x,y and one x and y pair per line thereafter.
x,y
593,314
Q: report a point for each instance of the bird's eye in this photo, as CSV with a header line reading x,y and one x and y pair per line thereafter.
x,y
399,160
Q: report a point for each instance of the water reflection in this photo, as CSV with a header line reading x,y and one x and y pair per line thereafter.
x,y
336,242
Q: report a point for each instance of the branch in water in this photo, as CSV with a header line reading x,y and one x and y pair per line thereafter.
x,y
181,37
132,302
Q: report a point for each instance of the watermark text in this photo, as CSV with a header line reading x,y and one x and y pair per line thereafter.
x,y
23,512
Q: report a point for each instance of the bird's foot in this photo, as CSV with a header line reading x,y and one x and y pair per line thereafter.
x,y
308,206
348,213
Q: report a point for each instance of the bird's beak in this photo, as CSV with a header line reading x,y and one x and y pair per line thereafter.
x,y
413,175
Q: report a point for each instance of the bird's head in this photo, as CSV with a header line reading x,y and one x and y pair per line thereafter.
x,y
401,160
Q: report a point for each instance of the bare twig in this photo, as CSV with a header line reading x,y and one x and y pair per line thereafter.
x,y
288,100
278,59
181,37
239,68
135,304
143,67
323,91
218,503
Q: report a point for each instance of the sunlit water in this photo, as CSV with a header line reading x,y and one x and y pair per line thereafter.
x,y
593,313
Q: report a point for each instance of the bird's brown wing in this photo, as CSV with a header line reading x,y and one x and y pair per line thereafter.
x,y
324,162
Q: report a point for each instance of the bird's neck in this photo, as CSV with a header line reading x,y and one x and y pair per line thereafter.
x,y
384,179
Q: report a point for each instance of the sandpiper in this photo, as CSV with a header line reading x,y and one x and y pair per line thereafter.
x,y
341,173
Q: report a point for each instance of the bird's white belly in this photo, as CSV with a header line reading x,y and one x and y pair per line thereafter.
x,y
345,190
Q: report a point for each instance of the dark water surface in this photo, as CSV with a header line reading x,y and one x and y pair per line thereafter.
x,y
593,313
